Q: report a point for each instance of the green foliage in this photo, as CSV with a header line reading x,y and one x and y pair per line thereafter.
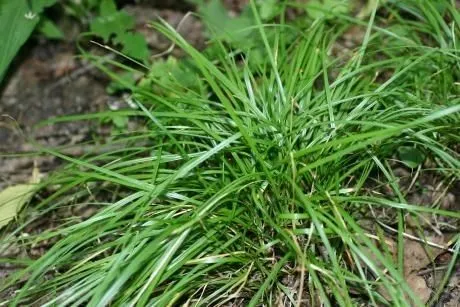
x,y
111,21
49,29
322,8
411,156
221,25
17,22
166,73
134,45
240,32
245,177
81,10
120,122
269,9
128,79
116,26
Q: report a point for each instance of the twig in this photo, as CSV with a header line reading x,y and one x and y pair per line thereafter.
x,y
439,268
411,237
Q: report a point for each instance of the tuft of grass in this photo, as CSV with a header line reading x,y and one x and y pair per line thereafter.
x,y
248,185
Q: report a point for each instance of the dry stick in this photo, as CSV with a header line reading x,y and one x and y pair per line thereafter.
x,y
414,179
432,244
302,277
444,192
430,270
411,237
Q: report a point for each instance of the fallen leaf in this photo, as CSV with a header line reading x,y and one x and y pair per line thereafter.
x,y
418,255
12,199
419,287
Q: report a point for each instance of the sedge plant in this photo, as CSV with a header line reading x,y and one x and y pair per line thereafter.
x,y
247,182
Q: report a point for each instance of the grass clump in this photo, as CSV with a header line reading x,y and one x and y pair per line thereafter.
x,y
248,185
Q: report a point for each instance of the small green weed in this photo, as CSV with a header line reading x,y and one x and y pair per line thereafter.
x,y
116,26
18,20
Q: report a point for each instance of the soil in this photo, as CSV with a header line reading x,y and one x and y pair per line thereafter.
x,y
47,80
42,86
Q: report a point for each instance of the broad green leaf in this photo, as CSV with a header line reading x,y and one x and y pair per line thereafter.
x,y
39,5
169,72
114,86
118,25
12,199
92,3
107,8
411,156
134,45
268,9
120,121
17,21
114,24
50,29
222,25
327,6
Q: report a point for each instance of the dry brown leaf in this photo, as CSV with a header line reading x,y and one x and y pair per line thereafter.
x,y
418,255
419,287
12,199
